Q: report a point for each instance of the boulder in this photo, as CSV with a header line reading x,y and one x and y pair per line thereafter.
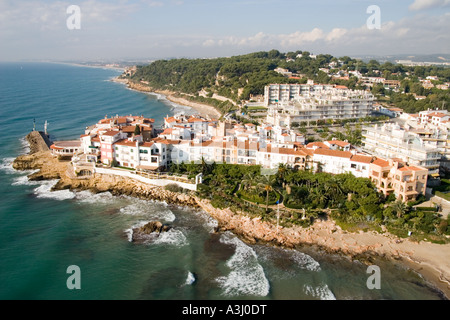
x,y
152,226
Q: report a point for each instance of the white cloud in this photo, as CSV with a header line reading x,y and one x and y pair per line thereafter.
x,y
428,4
416,34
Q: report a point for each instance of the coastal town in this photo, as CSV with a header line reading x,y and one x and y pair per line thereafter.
x,y
399,159
225,167
305,163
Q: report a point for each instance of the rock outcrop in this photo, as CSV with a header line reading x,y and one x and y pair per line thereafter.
x,y
145,233
38,141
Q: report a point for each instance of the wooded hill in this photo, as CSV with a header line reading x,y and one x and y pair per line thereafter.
x,y
239,77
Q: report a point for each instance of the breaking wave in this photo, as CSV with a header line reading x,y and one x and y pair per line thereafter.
x,y
247,275
6,165
44,191
321,292
172,237
150,210
305,261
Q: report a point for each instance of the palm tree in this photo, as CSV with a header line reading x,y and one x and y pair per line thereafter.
x,y
282,170
400,208
267,182
248,180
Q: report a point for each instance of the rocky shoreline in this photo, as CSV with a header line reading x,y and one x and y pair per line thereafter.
x,y
430,260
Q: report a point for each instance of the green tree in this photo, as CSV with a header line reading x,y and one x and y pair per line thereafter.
x,y
266,182
399,208
137,130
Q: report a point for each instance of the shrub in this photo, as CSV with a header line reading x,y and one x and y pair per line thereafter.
x,y
173,187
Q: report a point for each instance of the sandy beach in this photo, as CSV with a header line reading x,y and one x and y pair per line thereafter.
x,y
431,260
202,109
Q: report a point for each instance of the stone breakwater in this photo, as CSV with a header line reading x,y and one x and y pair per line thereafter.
x,y
429,259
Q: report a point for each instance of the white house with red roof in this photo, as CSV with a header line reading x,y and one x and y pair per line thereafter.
x,y
338,145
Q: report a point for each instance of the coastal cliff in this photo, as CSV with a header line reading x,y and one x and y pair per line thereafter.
x,y
324,235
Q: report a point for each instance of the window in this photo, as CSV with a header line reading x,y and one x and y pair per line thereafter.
x,y
353,166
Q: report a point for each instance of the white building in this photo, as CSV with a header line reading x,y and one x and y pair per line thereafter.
x,y
288,103
392,141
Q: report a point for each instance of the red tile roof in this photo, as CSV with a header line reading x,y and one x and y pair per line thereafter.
x,y
333,153
361,158
381,163
339,143
317,144
110,133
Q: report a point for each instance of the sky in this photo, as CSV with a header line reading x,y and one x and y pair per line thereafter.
x,y
155,29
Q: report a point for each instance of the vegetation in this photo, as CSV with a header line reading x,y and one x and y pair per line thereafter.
x,y
303,195
239,77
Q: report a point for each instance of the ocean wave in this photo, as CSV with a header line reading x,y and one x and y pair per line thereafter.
x,y
6,165
44,191
321,292
149,209
247,275
172,237
25,146
305,261
210,223
174,107
24,181
87,196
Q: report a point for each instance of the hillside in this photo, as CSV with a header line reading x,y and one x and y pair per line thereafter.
x,y
226,82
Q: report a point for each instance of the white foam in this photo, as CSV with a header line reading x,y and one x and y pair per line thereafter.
x,y
129,233
210,223
149,209
94,198
25,146
6,165
305,261
172,237
322,292
44,191
24,181
174,107
247,275
190,279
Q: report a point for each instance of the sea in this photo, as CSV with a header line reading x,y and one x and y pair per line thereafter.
x,y
44,235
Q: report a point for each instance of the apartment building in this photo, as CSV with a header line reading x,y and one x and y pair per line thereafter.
x,y
392,141
395,176
289,103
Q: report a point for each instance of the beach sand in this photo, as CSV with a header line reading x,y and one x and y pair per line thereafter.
x,y
430,260
202,109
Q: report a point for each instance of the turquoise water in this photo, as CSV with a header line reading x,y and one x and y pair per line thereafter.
x,y
42,233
